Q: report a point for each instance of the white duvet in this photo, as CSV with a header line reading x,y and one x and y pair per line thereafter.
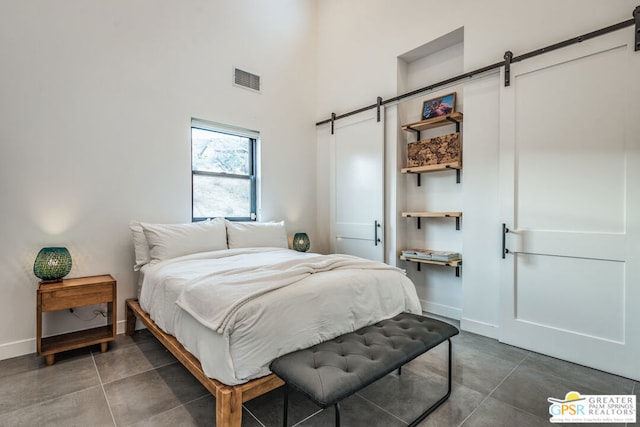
x,y
238,309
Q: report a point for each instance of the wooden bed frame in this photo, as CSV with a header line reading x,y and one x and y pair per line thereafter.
x,y
229,399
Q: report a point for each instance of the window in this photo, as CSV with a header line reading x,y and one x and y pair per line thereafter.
x,y
223,166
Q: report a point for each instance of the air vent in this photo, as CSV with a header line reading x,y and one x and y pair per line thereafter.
x,y
246,80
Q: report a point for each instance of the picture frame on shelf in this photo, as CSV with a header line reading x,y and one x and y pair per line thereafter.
x,y
439,106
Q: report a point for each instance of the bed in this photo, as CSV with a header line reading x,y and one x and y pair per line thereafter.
x,y
228,298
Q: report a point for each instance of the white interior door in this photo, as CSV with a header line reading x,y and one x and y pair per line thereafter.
x,y
357,186
570,168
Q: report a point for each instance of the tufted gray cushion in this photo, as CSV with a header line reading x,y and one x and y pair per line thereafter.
x,y
332,370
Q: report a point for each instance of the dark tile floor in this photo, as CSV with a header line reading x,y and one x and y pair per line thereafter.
x,y
138,383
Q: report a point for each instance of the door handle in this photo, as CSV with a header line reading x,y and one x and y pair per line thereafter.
x,y
505,230
376,239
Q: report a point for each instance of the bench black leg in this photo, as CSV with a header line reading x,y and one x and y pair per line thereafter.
x,y
286,405
337,405
439,402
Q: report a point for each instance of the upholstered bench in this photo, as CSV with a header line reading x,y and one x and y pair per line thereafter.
x,y
333,370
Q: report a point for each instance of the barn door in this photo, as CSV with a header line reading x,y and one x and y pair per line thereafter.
x,y
570,170
357,185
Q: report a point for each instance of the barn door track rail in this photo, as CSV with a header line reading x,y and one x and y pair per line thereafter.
x,y
508,60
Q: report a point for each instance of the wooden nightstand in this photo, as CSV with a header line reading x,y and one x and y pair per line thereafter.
x,y
70,293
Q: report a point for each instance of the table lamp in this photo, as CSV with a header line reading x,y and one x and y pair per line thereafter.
x,y
52,264
301,242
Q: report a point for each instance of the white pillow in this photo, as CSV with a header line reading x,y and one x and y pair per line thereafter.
x,y
168,241
140,245
256,234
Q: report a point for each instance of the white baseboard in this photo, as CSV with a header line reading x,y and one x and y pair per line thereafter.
x,y
121,326
441,309
480,328
28,346
17,348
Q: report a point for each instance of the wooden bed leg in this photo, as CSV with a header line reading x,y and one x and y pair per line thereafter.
x,y
131,319
228,408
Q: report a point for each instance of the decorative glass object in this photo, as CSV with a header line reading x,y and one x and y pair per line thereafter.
x,y
301,242
52,264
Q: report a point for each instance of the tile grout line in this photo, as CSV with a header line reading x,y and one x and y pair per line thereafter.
x,y
153,368
148,370
251,413
40,402
104,392
382,409
310,416
415,372
495,388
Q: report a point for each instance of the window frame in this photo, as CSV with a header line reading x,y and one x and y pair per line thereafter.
x,y
253,138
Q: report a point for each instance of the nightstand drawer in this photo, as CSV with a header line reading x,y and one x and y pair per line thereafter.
x,y
76,297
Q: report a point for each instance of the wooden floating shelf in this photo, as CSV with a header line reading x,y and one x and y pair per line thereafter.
x,y
455,263
433,168
431,214
451,263
435,122
420,215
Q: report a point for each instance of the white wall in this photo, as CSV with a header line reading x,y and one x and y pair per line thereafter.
x,y
95,107
359,43
359,40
